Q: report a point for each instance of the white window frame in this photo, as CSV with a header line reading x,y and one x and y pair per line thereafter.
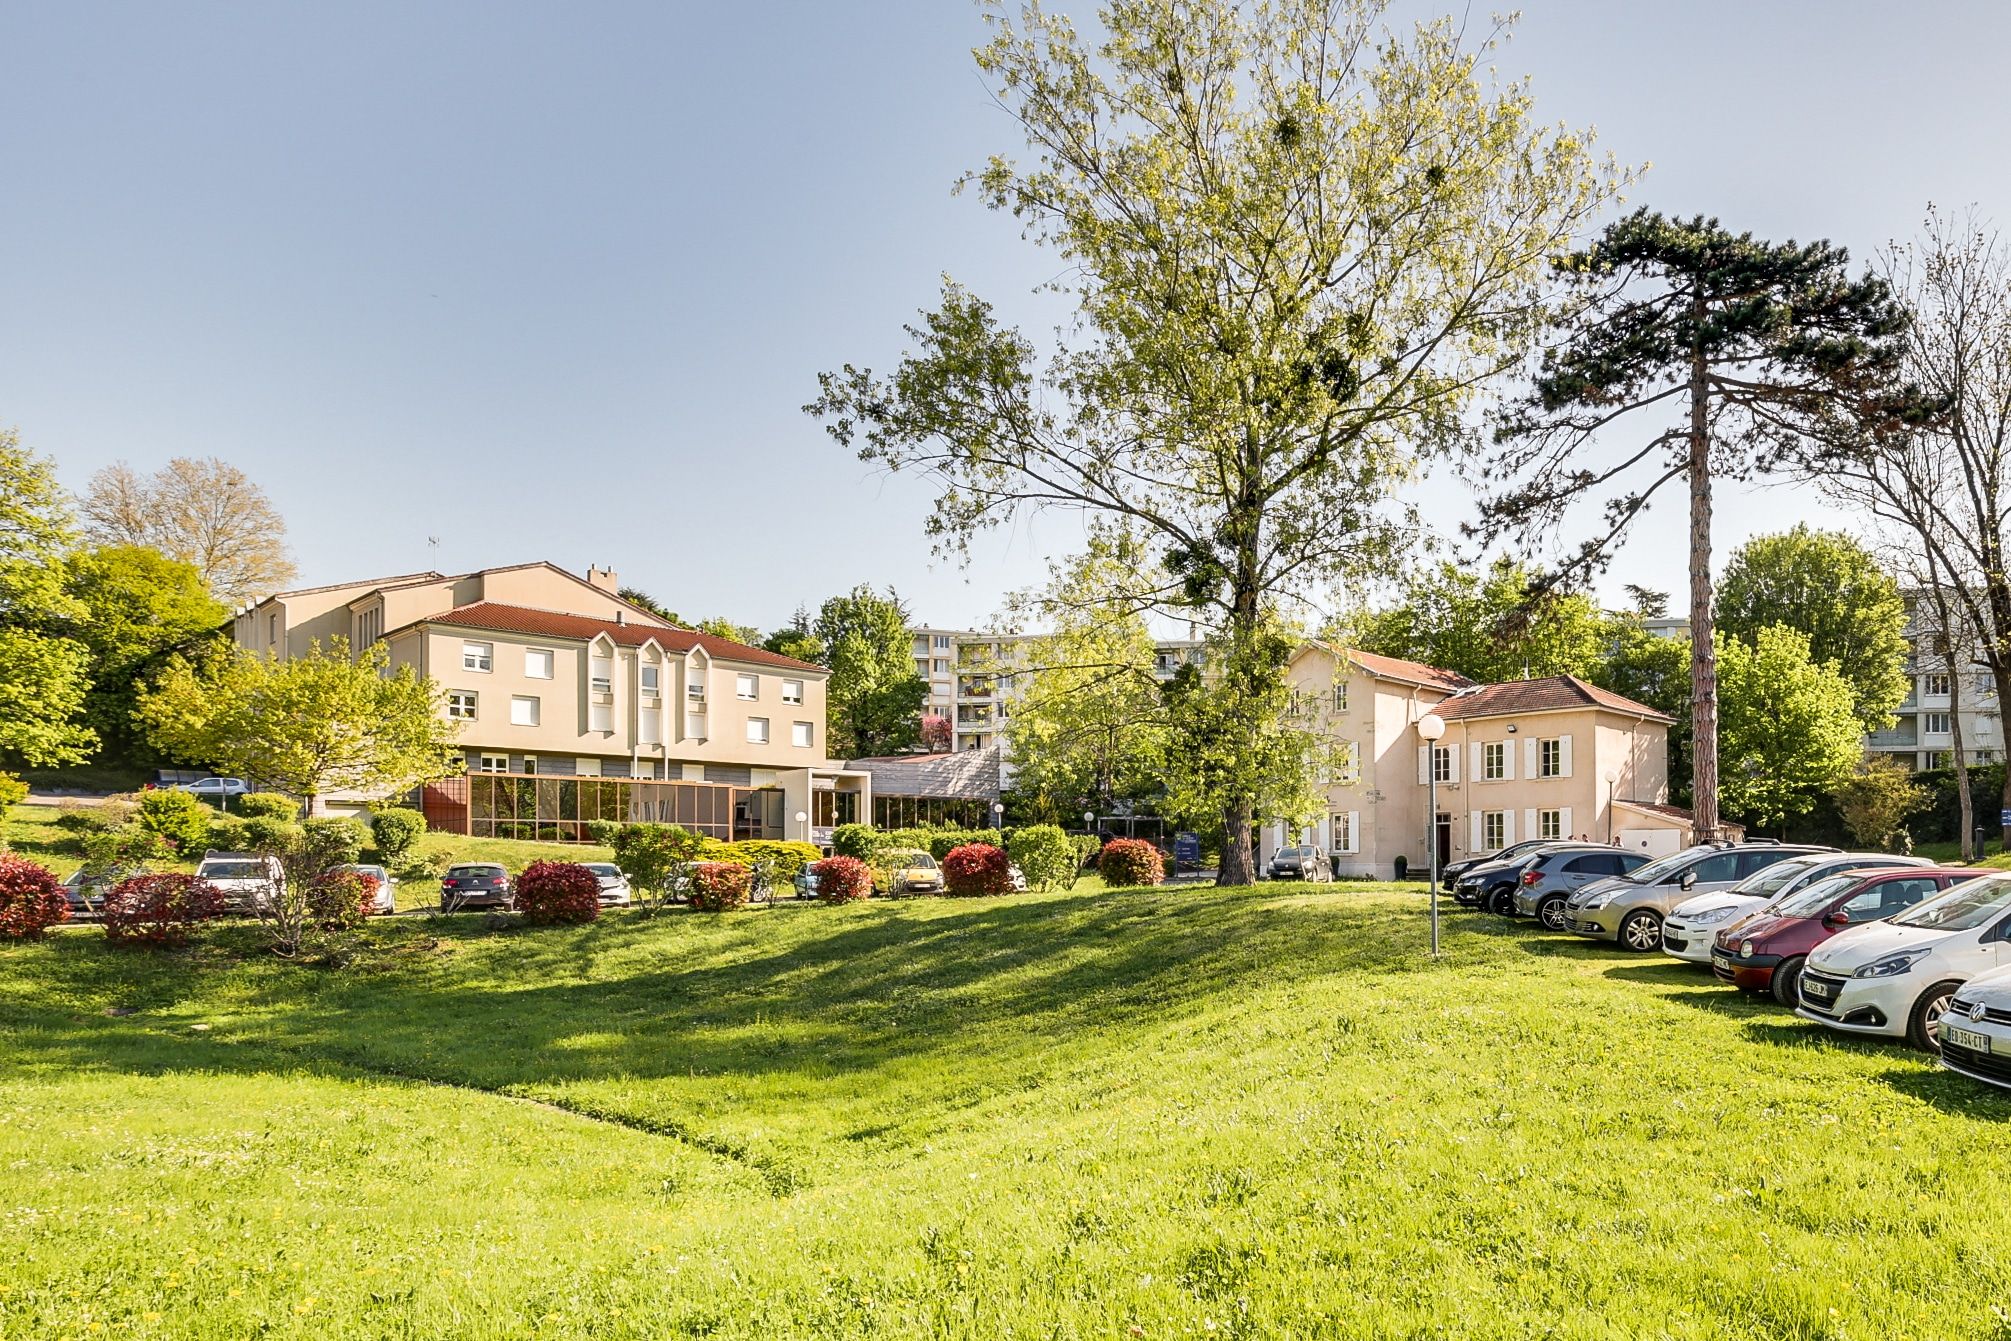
x,y
600,717
1550,757
792,692
584,767
650,678
600,673
530,765
694,689
1940,684
757,731
1936,724
1351,762
645,733
455,704
1441,764
1550,824
1341,696
747,687
493,763
697,724
1493,830
551,663
803,735
478,657
536,711
1493,761
942,642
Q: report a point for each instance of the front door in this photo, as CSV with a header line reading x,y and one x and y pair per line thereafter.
x,y
1442,830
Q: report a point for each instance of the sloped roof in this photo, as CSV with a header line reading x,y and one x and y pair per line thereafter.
x,y
499,618
1549,694
1410,672
963,775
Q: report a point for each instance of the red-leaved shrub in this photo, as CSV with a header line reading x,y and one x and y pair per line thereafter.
x,y
31,898
977,868
551,892
160,908
842,879
719,885
340,900
1130,861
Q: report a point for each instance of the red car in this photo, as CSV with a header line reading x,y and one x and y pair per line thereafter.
x,y
1766,952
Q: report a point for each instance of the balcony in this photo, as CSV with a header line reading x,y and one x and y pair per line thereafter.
x,y
1905,736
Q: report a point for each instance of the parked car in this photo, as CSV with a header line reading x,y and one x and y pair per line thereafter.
x,y
1767,952
477,884
216,789
249,882
1976,1030
1487,884
1694,924
1895,979
386,897
85,894
913,872
1449,874
1628,909
1553,875
614,885
1299,863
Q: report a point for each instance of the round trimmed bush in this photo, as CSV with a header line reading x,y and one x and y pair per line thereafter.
x,y
160,908
842,879
334,839
855,840
977,868
226,834
1044,854
1130,861
31,898
396,830
717,886
267,805
262,833
552,892
176,816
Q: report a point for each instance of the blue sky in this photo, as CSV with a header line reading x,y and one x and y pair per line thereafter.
x,y
552,281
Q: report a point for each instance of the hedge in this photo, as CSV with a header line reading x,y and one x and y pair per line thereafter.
x,y
160,908
270,805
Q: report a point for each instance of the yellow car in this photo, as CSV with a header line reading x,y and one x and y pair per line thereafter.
x,y
907,873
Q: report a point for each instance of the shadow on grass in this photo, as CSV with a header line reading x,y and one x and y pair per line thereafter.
x,y
1951,1093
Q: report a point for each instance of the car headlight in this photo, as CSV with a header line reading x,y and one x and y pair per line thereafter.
x,y
1713,916
1745,949
1892,965
1601,900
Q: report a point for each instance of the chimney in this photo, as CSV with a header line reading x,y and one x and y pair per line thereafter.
x,y
604,578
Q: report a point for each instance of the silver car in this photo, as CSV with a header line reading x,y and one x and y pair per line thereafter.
x,y
1549,882
1628,909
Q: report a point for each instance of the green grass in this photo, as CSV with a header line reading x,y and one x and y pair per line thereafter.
x,y
1183,1112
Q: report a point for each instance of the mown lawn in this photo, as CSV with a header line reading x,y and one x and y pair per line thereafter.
x,y
1177,1113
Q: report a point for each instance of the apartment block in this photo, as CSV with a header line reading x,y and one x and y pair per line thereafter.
x,y
574,705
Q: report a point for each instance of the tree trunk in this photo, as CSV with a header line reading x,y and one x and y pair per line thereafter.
x,y
1238,867
1703,653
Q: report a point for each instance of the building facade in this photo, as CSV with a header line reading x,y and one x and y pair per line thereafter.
x,y
574,705
1546,758
1943,686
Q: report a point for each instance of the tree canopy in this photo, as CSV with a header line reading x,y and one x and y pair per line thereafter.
x,y
1297,246
43,672
873,698
137,608
1788,730
205,512
1489,626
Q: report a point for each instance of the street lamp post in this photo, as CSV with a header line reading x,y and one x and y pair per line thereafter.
x,y
998,816
1612,779
804,819
1430,728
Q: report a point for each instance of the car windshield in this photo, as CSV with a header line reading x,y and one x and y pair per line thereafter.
x,y
1811,901
1774,878
475,872
233,870
1963,908
917,861
1656,870
603,868
1300,852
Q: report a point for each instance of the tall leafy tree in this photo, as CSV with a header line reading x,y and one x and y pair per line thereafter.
x,y
1489,626
798,638
43,672
1730,350
873,698
205,512
1833,590
310,725
137,608
1298,246
1652,669
1789,733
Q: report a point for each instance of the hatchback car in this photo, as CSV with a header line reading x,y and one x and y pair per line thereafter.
x,y
216,789
1551,877
476,885
1895,978
907,873
249,882
85,894
1976,1030
1449,874
1299,863
614,885
1491,883
1629,909
385,897
1694,924
1766,952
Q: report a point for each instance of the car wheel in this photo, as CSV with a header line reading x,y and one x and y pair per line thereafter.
x,y
1499,900
1927,1013
1787,983
1551,913
1641,932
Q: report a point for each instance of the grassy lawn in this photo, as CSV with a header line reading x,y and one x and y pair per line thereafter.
x,y
1176,1113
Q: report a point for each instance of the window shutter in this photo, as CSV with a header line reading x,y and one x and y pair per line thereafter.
x,y
1564,822
1564,756
1473,770
1473,816
1354,831
1508,828
1529,748
1508,760
1452,763
1529,823
1424,763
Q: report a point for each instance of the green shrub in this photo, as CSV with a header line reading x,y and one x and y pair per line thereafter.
x,y
177,817
120,850
787,859
396,830
1086,845
1045,856
77,817
657,858
335,840
267,805
1131,861
603,831
13,791
855,840
264,833
226,834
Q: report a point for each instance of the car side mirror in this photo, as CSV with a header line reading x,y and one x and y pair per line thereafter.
x,y
1689,880
1839,918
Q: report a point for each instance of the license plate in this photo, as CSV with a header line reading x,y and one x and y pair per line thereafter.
x,y
1722,961
1964,1038
1819,990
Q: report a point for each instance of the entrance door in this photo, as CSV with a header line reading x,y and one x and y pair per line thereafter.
x,y
1443,830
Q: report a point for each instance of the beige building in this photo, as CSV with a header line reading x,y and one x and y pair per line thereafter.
x,y
574,705
1547,758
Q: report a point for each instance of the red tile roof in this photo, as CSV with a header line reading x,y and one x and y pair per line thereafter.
x,y
1410,672
500,618
1545,695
